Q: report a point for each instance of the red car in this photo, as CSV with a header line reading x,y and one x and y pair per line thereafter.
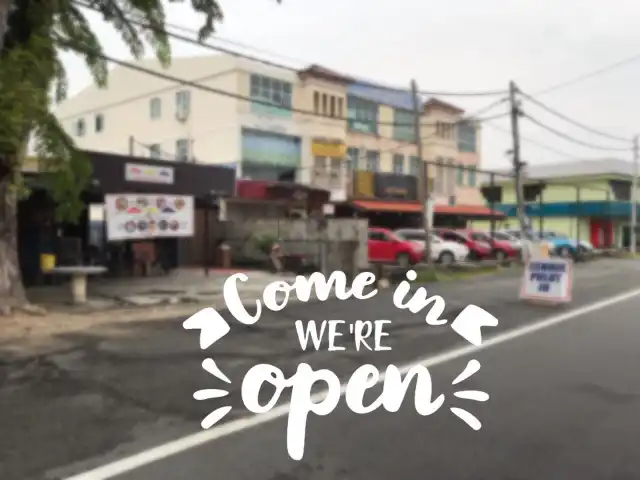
x,y
385,246
502,250
478,250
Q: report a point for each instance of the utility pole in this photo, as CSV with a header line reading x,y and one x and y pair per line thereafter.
x,y
423,181
517,163
634,196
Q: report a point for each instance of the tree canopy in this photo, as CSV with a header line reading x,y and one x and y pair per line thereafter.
x,y
32,78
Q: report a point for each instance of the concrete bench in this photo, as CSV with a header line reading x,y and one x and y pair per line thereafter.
x,y
79,275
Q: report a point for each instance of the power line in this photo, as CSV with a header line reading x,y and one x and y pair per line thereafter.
x,y
532,141
570,120
571,139
149,26
237,96
588,75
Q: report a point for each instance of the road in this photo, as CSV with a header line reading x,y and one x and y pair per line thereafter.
x,y
127,389
565,404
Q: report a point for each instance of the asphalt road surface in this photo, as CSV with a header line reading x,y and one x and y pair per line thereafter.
x,y
128,388
564,404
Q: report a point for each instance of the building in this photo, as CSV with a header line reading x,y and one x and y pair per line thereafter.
x,y
587,200
263,138
355,125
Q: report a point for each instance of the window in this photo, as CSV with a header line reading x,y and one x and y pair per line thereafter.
x,y
444,130
183,103
336,170
154,151
398,164
353,156
378,236
99,122
319,166
466,137
450,175
340,112
414,166
155,108
324,103
80,127
440,176
362,115
404,127
472,176
271,90
182,149
373,161
332,106
460,175
316,102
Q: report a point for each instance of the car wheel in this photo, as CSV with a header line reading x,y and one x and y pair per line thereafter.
x,y
446,258
500,256
564,252
403,260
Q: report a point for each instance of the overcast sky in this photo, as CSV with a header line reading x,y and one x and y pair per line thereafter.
x,y
465,45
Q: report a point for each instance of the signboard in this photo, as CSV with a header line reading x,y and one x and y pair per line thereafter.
x,y
390,186
138,172
140,216
548,280
328,148
363,184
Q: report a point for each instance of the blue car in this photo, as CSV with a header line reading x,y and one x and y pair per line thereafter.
x,y
561,245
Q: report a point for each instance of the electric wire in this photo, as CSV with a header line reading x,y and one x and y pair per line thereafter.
x,y
570,120
570,138
210,46
587,75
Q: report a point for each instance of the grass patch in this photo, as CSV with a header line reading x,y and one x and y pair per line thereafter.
x,y
442,275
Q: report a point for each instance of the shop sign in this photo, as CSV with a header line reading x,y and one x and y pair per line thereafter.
x,y
393,186
363,186
547,279
140,216
328,148
138,172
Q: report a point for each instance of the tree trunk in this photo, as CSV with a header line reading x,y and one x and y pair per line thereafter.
x,y
5,7
12,293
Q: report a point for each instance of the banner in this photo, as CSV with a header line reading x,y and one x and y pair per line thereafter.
x,y
141,216
549,279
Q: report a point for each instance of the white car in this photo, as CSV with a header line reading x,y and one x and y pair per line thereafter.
x,y
442,251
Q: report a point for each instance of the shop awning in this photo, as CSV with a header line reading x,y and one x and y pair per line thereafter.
x,y
467,211
400,207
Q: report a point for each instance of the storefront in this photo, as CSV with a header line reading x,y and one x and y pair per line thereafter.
x,y
270,156
136,208
329,169
386,199
180,200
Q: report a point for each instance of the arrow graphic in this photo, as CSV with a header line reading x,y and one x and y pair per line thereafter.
x,y
469,322
211,325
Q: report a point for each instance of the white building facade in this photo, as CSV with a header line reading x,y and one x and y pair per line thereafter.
x,y
245,116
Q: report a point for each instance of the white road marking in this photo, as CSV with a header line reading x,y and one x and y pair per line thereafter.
x,y
161,452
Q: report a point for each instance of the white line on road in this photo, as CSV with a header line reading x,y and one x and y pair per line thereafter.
x,y
161,452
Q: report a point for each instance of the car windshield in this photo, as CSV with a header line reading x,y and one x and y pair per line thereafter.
x,y
479,237
411,235
502,236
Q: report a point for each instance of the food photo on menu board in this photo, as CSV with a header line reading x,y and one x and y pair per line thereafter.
x,y
131,216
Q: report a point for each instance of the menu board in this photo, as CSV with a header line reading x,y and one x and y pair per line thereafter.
x,y
140,216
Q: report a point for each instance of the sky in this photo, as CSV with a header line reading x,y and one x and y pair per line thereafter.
x,y
461,46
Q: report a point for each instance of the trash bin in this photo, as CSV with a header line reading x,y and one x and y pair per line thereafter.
x,y
47,262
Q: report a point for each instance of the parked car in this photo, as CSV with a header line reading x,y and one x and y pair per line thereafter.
x,y
501,249
513,240
385,246
478,250
441,250
560,244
